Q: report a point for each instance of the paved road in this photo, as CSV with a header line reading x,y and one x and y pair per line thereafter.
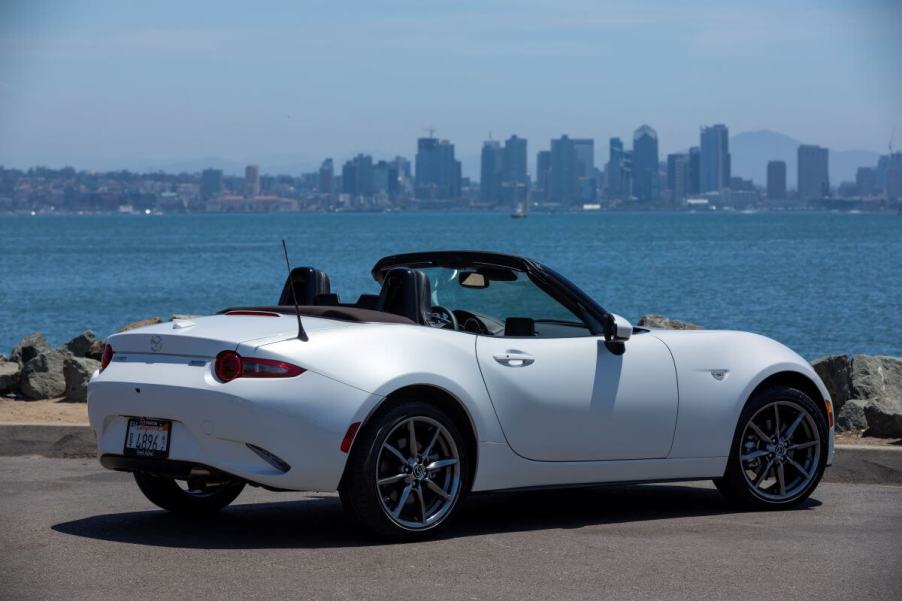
x,y
70,530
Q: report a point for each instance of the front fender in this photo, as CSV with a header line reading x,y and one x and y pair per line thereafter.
x,y
717,372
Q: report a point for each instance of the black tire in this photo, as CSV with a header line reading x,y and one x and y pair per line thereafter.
x,y
367,503
738,487
167,494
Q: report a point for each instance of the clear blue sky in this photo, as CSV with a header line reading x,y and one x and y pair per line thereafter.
x,y
132,84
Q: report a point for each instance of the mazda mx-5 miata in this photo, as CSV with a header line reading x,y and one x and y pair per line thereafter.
x,y
468,372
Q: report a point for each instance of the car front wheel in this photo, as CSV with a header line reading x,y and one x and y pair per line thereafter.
x,y
779,451
407,473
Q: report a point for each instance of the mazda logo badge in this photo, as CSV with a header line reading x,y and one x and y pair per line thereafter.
x,y
156,343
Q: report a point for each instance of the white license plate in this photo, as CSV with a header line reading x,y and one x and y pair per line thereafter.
x,y
146,437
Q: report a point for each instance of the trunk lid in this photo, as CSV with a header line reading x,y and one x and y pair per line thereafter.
x,y
207,336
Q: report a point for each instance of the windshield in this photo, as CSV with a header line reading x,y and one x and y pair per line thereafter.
x,y
508,293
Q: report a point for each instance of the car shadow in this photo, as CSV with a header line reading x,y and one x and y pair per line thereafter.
x,y
319,522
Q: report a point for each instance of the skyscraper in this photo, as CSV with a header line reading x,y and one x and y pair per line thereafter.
x,y
645,163
327,177
490,172
695,171
562,177
543,171
814,178
715,158
251,181
677,176
584,149
514,175
357,176
776,180
211,183
617,186
437,171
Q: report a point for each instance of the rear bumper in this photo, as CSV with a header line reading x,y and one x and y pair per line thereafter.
x,y
300,420
169,468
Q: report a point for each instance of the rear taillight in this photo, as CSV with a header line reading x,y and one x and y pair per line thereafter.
x,y
106,357
230,365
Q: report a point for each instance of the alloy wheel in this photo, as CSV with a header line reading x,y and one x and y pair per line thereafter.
x,y
780,451
418,473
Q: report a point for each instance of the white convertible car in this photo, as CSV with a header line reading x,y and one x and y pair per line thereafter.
x,y
468,372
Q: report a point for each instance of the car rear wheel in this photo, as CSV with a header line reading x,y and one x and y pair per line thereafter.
x,y
178,497
779,451
407,474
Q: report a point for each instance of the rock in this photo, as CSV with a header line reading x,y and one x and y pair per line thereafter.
x,y
81,344
140,324
884,418
78,372
10,372
876,377
851,416
836,373
96,350
665,323
29,347
42,376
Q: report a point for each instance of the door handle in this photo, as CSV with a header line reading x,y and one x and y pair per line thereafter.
x,y
514,358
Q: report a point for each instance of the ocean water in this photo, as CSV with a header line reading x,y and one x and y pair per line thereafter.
x,y
820,283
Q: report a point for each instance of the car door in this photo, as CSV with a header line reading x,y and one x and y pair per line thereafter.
x,y
571,399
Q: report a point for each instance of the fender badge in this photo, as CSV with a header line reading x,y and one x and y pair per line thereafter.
x,y
156,343
719,374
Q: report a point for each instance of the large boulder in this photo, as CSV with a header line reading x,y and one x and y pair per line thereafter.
x,y
10,372
876,377
29,347
852,417
659,321
836,372
42,376
140,324
884,418
78,372
81,344
96,350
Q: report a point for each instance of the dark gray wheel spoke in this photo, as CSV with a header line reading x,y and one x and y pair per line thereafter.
x,y
764,459
431,486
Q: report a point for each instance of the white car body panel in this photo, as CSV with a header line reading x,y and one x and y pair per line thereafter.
x,y
577,415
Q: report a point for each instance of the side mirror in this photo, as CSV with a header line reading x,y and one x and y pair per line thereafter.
x,y
618,329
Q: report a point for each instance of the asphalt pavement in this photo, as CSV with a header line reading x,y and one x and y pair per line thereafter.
x,y
71,530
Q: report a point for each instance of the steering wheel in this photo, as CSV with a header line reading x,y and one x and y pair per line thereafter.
x,y
445,317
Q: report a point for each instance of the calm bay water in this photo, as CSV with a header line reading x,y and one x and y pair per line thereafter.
x,y
821,283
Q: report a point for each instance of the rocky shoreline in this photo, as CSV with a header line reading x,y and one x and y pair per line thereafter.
x,y
866,389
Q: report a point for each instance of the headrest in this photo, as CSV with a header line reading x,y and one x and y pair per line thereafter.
x,y
368,301
308,283
406,292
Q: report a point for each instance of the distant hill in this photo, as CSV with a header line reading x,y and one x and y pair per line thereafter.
x,y
752,150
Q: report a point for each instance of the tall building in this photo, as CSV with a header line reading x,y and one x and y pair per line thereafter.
x,y
490,172
645,164
514,174
814,178
584,149
616,171
211,184
715,158
889,175
694,186
251,181
776,180
866,181
437,171
543,171
327,177
357,176
678,177
562,177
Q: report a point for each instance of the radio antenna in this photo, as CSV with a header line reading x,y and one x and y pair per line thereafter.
x,y
302,335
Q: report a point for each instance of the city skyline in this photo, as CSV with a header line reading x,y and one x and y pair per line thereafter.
x,y
108,85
